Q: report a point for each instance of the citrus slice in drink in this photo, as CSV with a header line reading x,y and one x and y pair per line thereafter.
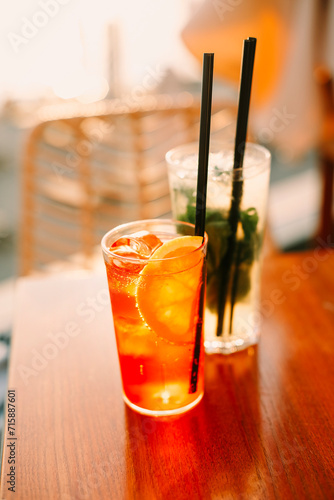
x,y
168,289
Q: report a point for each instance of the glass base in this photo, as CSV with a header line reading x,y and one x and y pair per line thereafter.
x,y
162,413
230,344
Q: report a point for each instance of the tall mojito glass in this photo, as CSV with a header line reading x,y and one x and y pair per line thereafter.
x,y
232,319
156,275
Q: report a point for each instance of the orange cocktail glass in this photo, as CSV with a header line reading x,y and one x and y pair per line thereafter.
x,y
156,278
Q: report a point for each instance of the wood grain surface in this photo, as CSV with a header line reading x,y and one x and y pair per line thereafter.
x,y
264,429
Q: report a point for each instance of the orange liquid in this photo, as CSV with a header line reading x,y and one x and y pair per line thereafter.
x,y
155,371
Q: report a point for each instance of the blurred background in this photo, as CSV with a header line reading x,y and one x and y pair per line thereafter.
x,y
92,95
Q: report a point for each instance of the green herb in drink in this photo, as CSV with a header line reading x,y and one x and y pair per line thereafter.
x,y
248,243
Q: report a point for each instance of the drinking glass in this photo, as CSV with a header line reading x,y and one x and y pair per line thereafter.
x,y
156,276
233,310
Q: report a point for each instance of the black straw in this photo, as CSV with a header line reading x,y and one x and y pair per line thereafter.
x,y
202,180
204,143
237,189
244,101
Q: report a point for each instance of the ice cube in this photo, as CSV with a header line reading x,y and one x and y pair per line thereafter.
x,y
134,247
140,247
152,241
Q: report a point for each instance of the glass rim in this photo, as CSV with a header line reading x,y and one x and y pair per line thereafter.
x,y
106,250
216,147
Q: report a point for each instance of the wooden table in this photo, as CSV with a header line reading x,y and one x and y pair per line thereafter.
x,y
264,429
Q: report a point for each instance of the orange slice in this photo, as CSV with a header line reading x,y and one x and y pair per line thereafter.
x,y
168,289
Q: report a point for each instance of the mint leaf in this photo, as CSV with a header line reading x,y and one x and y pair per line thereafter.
x,y
249,219
218,232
